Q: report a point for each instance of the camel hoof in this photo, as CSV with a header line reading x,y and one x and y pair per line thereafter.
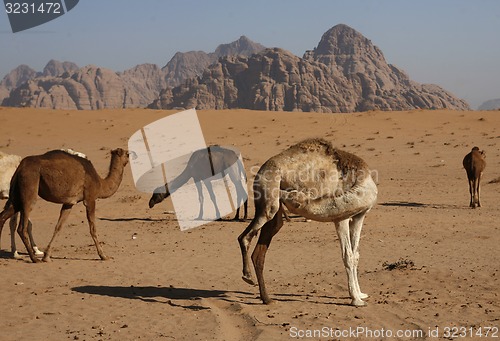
x,y
249,280
358,303
105,257
46,259
363,295
268,301
38,253
16,255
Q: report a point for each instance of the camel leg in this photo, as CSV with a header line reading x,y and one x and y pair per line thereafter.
x,y
90,205
13,247
200,199
244,239
22,230
478,181
245,207
65,211
471,191
355,226
8,213
237,215
38,253
267,233
240,195
13,225
348,258
210,189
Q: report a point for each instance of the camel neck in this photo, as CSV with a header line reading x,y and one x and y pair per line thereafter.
x,y
110,184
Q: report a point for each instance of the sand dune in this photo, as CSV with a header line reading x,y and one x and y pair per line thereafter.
x,y
171,285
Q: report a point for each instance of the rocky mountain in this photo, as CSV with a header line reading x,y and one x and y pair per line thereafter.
x,y
62,85
13,79
55,68
90,88
344,73
185,65
492,104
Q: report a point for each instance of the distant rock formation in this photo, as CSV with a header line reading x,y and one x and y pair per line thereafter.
x,y
62,85
90,88
344,73
185,65
55,68
492,104
15,78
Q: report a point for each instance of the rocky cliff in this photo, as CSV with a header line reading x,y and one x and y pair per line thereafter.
x,y
344,73
185,65
89,88
15,78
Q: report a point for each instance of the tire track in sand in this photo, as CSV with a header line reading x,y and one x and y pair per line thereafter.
x,y
233,323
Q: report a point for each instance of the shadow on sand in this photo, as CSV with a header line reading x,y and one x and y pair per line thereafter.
x,y
174,296
419,205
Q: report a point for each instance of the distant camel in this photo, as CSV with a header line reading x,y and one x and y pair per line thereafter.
x,y
221,160
8,165
63,178
474,164
319,182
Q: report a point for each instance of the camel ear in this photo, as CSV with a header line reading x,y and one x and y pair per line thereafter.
x,y
118,151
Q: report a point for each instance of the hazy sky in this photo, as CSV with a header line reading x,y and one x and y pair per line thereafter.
x,y
452,43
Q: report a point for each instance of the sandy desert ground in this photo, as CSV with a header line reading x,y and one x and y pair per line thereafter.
x,y
171,285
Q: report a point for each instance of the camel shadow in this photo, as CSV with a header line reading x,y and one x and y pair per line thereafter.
x,y
159,294
314,299
419,205
404,204
133,219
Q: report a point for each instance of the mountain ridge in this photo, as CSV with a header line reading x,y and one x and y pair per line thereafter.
x,y
345,72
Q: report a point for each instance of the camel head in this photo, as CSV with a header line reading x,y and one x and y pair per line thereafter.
x,y
481,152
121,155
158,195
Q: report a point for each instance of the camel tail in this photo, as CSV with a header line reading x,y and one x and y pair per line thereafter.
x,y
13,192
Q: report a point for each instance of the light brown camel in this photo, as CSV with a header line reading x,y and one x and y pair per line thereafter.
x,y
63,178
474,164
221,160
319,182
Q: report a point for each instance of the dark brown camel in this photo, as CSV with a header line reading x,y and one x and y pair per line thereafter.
x,y
62,178
474,164
221,160
318,182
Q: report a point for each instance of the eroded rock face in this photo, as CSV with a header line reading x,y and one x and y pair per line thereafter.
x,y
186,65
15,78
90,87
62,85
344,73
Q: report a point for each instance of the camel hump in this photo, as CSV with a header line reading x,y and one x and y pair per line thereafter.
x,y
345,161
74,152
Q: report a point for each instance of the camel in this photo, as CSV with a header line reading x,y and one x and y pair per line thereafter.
x,y
8,165
319,182
474,164
221,160
62,178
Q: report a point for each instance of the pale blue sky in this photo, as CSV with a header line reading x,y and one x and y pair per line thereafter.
x,y
452,43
